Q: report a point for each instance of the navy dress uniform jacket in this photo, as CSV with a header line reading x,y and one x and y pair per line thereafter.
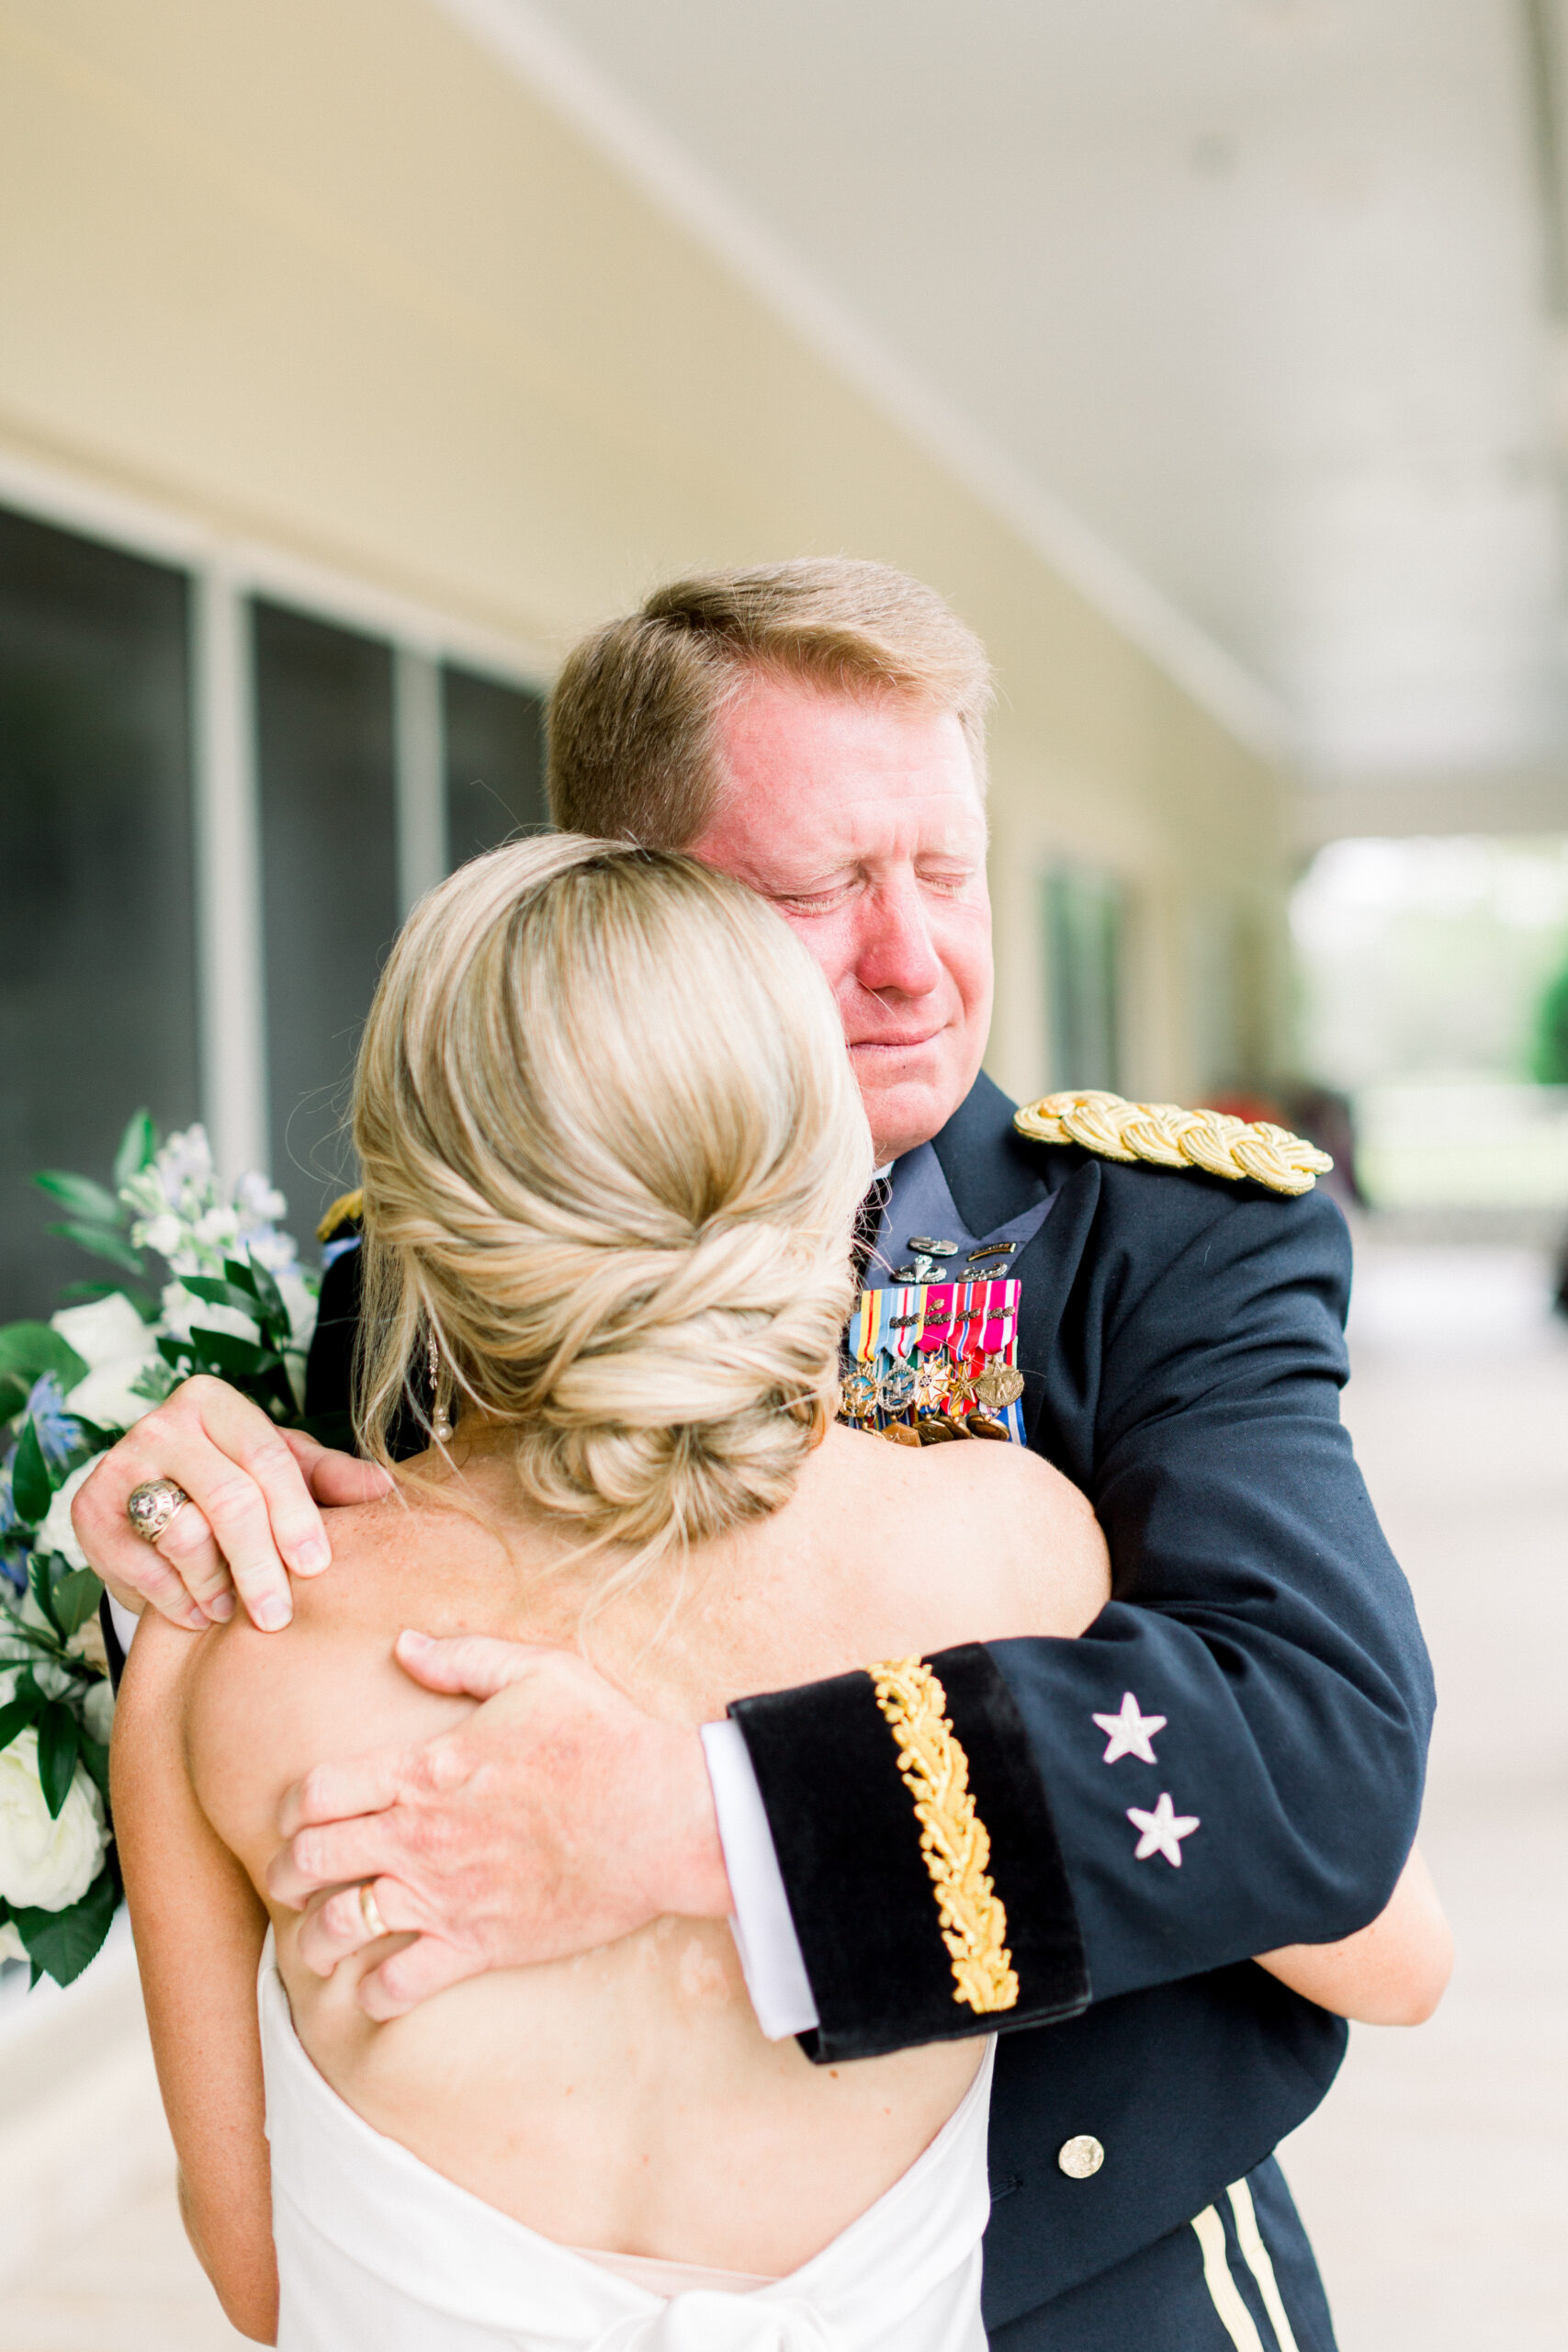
x,y
1181,1341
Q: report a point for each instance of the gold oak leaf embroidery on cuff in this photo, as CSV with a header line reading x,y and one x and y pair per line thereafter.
x,y
953,1839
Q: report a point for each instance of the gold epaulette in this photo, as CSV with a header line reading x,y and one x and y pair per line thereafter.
x,y
349,1209
1167,1136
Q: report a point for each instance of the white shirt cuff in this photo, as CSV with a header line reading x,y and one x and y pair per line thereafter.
x,y
124,1624
764,1933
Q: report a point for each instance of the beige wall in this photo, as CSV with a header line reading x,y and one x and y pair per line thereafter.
x,y
319,273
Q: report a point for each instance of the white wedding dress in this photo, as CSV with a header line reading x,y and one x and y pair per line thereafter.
x,y
376,2252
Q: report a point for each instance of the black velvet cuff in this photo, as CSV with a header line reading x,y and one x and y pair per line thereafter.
x,y
861,1894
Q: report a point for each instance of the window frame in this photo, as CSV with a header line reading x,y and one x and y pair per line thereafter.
x,y
226,571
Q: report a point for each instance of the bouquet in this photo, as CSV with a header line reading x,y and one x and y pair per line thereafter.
x,y
236,1303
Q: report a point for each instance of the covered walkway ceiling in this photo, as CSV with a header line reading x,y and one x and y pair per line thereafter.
x,y
1244,308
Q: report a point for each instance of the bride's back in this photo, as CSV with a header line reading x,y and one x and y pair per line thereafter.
x,y
612,1149
627,2100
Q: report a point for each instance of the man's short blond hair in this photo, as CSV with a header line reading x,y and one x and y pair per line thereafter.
x,y
635,718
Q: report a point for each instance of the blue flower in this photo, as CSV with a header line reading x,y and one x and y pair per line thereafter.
x,y
59,1435
12,1556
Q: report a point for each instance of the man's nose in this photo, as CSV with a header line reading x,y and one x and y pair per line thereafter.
x,y
896,953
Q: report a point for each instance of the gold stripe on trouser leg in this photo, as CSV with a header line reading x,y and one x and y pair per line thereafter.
x,y
1250,2237
1223,2293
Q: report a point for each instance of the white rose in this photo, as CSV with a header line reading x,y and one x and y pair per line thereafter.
x,y
55,1532
104,1332
46,1865
109,1399
117,1347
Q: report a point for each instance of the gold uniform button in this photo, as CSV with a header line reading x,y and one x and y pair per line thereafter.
x,y
1081,2158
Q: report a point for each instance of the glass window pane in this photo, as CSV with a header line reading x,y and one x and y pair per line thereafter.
x,y
97,968
323,701
495,762
1083,953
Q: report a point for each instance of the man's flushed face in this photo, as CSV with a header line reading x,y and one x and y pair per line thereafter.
x,y
860,819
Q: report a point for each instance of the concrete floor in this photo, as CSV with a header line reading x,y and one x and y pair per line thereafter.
x,y
1434,2180
1435,2177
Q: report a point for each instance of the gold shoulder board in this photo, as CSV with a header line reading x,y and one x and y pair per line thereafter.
x,y
348,1210
1167,1136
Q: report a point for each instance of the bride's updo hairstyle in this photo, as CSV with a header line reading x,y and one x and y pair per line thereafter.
x,y
612,1149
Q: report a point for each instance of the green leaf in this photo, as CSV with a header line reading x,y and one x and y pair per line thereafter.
x,y
79,1196
220,1294
271,1297
99,1243
175,1353
76,1596
96,1440
32,1486
95,1757
242,1274
61,1943
29,1350
56,1754
41,1581
138,1146
232,1355
15,1717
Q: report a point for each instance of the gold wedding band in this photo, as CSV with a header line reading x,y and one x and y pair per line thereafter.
x,y
371,1912
152,1507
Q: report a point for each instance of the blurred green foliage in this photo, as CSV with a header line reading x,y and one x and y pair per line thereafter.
x,y
1549,1062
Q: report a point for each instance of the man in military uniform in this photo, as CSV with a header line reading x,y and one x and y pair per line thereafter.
x,y
1228,1762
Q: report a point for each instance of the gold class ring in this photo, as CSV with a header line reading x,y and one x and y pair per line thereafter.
x,y
151,1508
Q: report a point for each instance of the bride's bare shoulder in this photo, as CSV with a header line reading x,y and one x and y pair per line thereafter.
x,y
999,1509
258,1708
995,1482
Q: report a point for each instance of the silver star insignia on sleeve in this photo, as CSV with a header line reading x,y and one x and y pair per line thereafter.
x,y
1162,1831
1128,1732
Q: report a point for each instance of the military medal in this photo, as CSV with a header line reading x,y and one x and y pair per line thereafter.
x,y
929,1249
928,1361
935,1429
999,1385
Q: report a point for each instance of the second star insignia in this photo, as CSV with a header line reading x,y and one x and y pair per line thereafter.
x,y
1162,1831
1130,1732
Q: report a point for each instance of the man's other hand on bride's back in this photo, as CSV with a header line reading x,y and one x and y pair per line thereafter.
x,y
452,1839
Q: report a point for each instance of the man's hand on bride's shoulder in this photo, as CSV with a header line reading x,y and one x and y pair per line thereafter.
x,y
556,1817
253,1517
